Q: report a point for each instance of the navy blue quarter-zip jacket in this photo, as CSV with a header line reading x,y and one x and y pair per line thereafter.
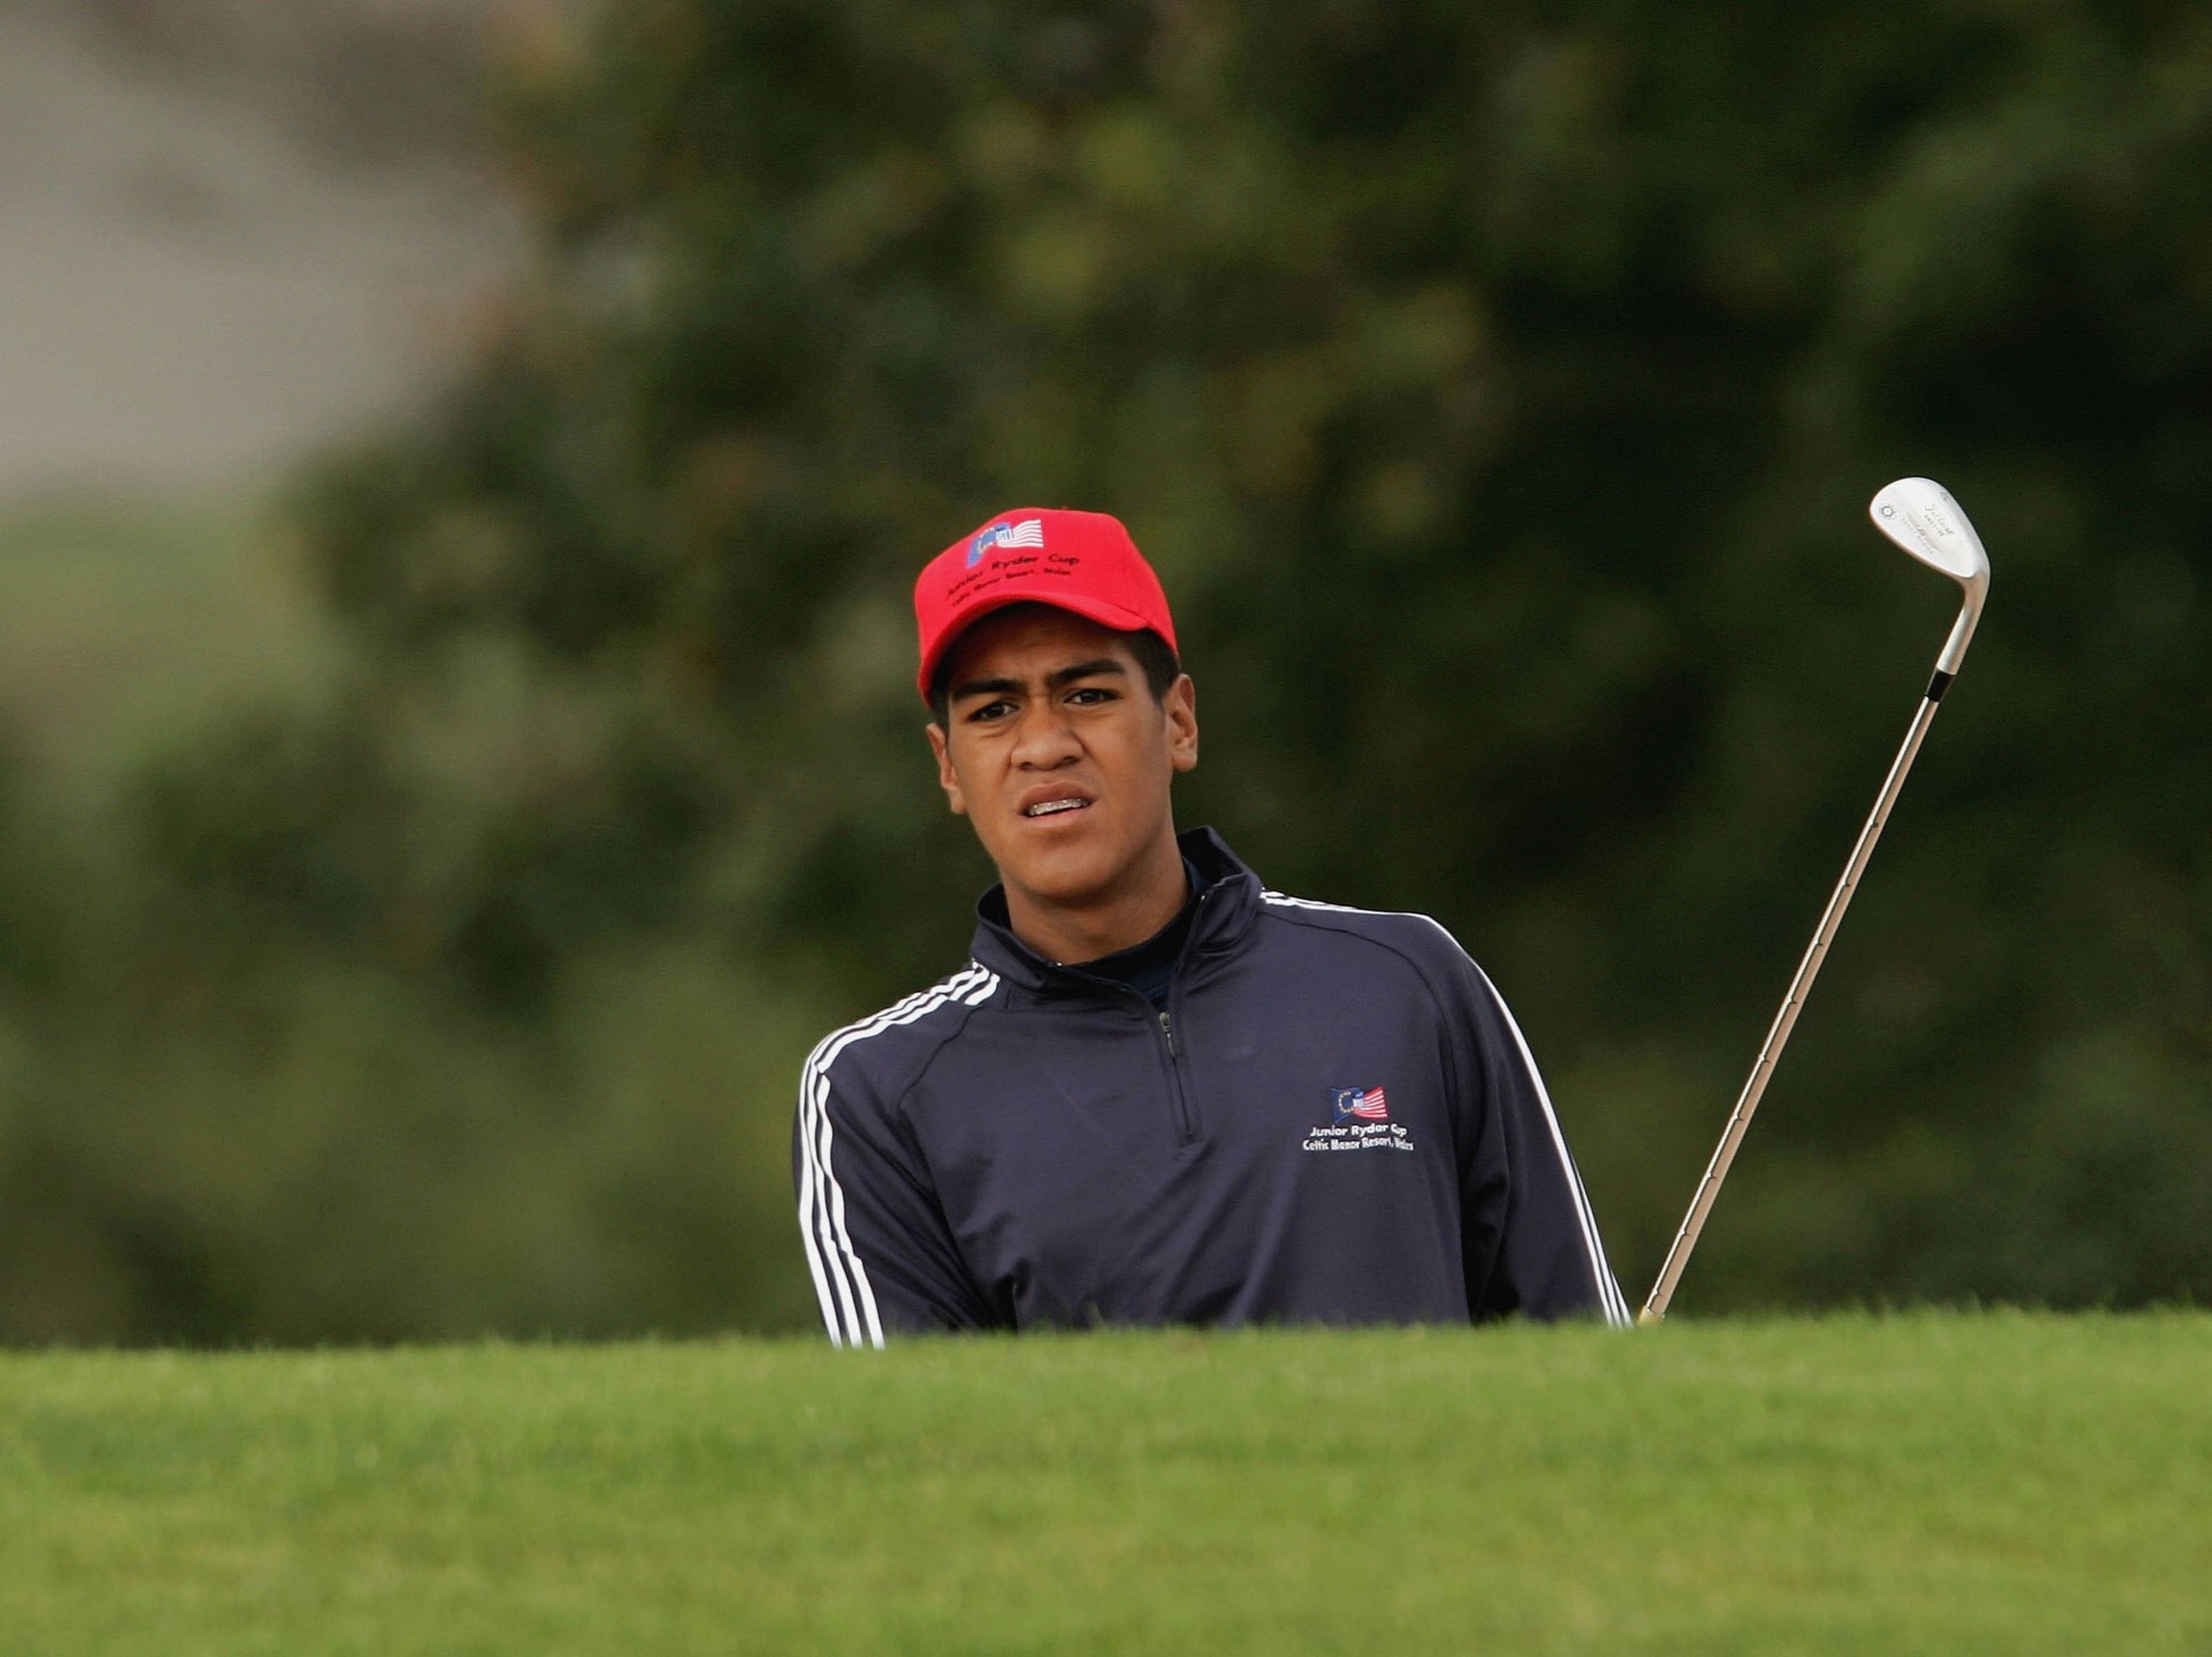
x,y
1335,1120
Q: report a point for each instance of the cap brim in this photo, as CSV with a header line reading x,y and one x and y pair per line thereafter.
x,y
1106,614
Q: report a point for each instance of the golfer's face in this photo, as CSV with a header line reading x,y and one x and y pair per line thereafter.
x,y
1056,749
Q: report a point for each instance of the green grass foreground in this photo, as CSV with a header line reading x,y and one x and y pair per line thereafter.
x,y
1945,1483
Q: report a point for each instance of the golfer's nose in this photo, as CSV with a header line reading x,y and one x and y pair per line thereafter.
x,y
1045,740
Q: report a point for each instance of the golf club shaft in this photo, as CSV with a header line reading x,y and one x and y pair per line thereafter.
x,y
1740,1119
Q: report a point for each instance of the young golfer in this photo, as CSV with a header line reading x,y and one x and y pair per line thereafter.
x,y
1159,1092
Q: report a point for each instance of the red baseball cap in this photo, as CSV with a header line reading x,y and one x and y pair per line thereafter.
x,y
1082,562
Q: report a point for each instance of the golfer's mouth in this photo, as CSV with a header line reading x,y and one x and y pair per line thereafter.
x,y
1055,805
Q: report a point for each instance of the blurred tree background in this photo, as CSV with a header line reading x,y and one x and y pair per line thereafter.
x,y
1498,391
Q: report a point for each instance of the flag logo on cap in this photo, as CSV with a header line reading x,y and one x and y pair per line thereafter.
x,y
1030,533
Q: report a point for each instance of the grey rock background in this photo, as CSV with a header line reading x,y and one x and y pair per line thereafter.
x,y
230,230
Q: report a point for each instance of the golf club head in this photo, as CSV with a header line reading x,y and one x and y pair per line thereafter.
x,y
1919,515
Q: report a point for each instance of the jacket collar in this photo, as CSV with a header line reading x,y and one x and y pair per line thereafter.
x,y
1226,909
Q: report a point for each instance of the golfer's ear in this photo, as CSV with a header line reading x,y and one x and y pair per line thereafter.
x,y
1181,704
945,778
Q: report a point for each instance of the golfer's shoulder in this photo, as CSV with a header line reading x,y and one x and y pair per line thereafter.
x,y
1418,941
879,1054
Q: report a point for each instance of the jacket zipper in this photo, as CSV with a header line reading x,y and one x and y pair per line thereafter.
x,y
1186,1128
1184,1119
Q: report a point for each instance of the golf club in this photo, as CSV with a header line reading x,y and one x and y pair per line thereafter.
x,y
1920,516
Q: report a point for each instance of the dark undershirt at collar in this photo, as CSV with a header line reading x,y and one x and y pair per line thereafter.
x,y
1149,967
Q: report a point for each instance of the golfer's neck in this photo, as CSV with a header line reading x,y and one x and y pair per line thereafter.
x,y
1132,910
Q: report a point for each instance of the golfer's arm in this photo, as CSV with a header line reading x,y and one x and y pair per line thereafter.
x,y
883,1261
1542,1255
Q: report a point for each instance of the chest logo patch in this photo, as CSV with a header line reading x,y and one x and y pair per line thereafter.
x,y
1358,1105
1358,1120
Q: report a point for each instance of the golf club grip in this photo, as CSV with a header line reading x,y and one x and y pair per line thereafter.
x,y
1786,1019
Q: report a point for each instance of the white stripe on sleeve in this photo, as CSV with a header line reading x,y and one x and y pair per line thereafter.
x,y
841,1286
1608,1289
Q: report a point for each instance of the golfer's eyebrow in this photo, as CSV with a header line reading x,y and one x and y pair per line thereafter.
x,y
1053,680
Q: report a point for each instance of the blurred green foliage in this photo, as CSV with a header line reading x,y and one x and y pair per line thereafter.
x,y
1498,389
